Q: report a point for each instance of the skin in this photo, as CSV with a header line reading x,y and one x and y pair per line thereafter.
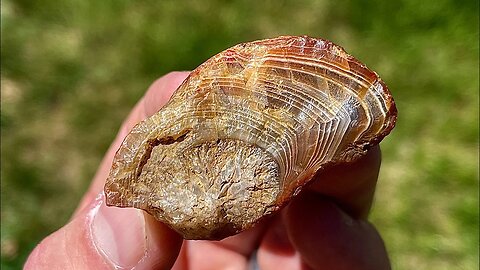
x,y
325,227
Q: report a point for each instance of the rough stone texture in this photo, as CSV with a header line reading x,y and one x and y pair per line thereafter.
x,y
245,131
206,187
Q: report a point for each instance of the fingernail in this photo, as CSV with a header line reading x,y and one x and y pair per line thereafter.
x,y
119,234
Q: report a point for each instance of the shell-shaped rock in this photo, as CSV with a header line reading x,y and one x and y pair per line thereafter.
x,y
245,131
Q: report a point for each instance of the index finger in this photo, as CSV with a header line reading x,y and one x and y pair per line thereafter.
x,y
325,226
351,185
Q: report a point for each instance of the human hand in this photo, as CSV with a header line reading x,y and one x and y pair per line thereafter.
x,y
324,228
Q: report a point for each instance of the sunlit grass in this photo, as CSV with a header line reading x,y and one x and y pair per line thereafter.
x,y
71,71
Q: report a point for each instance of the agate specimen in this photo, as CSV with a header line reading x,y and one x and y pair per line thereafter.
x,y
246,131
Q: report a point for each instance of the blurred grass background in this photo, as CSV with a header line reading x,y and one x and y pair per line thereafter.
x,y
71,71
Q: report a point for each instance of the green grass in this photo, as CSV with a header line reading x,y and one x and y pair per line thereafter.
x,y
71,71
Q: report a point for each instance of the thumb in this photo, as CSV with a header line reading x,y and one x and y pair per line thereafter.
x,y
101,237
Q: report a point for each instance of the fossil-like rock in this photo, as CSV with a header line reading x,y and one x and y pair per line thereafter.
x,y
246,131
